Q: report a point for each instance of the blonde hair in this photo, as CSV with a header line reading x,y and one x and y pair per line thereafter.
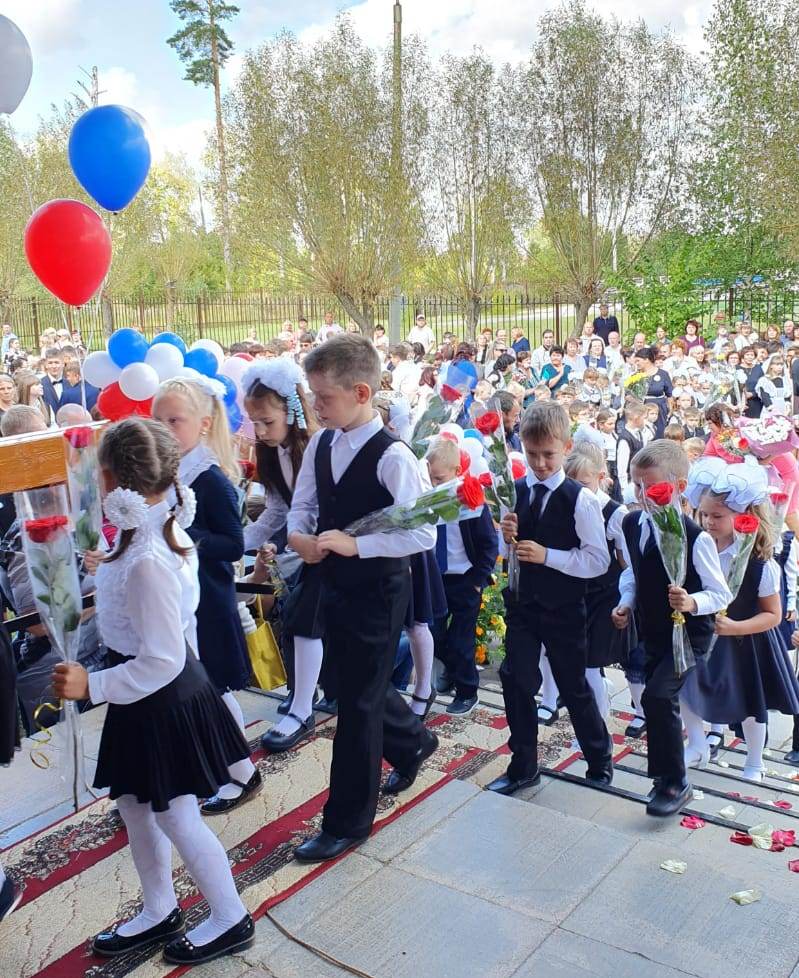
x,y
445,451
662,454
766,535
694,445
206,405
543,420
585,457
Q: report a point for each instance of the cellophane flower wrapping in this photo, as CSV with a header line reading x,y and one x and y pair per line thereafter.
x,y
768,435
47,544
662,502
83,480
744,531
488,421
459,499
442,408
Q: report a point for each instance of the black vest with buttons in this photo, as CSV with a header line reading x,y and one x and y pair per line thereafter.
x,y
652,590
556,530
355,495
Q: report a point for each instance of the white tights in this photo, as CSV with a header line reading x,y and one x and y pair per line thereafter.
x,y
420,639
549,688
152,835
755,734
307,666
240,770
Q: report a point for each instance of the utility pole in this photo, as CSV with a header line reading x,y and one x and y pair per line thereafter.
x,y
395,180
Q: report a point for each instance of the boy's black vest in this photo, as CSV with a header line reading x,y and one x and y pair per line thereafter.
x,y
356,494
556,530
652,589
611,576
634,439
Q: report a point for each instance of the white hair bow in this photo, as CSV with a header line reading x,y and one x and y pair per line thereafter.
x,y
744,484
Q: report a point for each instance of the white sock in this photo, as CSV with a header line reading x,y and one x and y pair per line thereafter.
x,y
694,727
241,770
600,690
755,734
717,728
636,692
208,865
549,688
420,639
307,666
152,857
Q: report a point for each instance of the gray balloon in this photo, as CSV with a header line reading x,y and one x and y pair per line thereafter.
x,y
16,65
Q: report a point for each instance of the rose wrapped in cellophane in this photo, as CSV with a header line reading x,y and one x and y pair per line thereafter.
x,y
744,531
502,493
662,502
83,480
459,499
52,566
442,408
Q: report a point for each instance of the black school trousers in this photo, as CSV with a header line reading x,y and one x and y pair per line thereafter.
x,y
562,632
661,705
374,721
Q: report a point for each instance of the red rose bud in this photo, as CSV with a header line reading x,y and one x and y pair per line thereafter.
x,y
44,529
465,463
779,498
450,393
79,437
517,468
744,523
660,494
743,444
485,479
470,493
247,469
487,423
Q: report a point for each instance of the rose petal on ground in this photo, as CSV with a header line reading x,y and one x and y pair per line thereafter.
x,y
776,847
793,865
750,798
785,837
727,812
674,866
743,897
742,839
786,806
733,794
692,822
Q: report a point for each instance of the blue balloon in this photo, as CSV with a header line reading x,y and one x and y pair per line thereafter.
x,y
172,338
463,373
234,417
472,433
231,391
203,361
127,346
110,155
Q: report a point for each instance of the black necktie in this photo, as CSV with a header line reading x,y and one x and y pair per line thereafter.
x,y
441,547
537,505
651,543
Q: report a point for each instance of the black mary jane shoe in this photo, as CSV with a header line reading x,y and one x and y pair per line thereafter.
x,y
325,846
276,742
715,742
285,706
547,717
109,944
237,938
427,700
218,806
503,785
326,705
397,782
668,799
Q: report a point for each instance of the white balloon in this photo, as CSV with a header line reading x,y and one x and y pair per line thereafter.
x,y
212,346
517,455
138,381
188,373
16,65
452,429
165,359
479,466
473,448
99,369
234,367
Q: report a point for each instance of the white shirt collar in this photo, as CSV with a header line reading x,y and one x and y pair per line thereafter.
x,y
603,497
358,437
552,483
157,513
195,462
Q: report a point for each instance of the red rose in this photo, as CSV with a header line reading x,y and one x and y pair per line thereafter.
x,y
448,436
247,469
743,444
485,479
660,494
487,423
79,437
745,523
466,461
42,530
470,493
517,468
779,498
450,393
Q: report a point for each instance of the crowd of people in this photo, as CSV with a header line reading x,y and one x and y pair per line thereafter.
x,y
596,422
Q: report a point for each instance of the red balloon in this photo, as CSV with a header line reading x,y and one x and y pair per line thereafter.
x,y
69,249
114,405
244,356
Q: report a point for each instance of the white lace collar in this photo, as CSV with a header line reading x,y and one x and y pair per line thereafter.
x,y
195,462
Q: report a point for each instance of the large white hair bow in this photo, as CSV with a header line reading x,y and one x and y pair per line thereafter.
x,y
744,484
282,376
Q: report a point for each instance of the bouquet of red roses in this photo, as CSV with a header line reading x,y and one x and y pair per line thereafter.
x,y
662,502
502,492
462,498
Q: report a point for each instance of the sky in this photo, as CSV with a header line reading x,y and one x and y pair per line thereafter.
x,y
126,39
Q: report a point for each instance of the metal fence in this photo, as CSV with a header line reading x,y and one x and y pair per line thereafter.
x,y
259,315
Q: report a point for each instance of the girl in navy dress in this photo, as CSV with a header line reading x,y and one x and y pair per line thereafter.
x,y
193,410
748,672
167,736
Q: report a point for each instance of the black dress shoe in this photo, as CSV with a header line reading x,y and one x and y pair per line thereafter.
x,y
504,785
462,707
396,782
326,705
237,938
636,730
602,777
109,944
10,895
792,757
277,742
218,806
325,846
668,799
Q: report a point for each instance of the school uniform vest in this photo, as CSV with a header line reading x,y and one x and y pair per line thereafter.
x,y
745,605
613,573
635,441
280,539
355,495
652,586
556,530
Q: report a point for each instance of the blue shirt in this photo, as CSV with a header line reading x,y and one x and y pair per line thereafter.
x,y
549,372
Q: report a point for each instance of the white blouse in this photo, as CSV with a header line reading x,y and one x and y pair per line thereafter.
x,y
146,603
276,511
770,579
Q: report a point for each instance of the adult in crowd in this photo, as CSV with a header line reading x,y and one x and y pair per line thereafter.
x,y
541,353
586,336
605,324
519,342
72,414
595,355
329,327
659,387
7,332
692,337
405,373
420,332
556,373
8,394
53,379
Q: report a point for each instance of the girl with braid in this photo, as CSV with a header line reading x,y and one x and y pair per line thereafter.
x,y
167,736
193,411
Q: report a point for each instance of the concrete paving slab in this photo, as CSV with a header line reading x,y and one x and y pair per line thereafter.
x,y
230,967
518,855
688,922
283,958
566,955
373,929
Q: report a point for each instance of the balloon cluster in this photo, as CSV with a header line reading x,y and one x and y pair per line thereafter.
x,y
130,371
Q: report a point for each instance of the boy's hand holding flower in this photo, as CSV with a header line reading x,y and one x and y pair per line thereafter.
x,y
531,552
680,600
509,526
620,616
306,545
337,542
70,681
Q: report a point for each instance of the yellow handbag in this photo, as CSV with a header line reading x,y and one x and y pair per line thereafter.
x,y
265,659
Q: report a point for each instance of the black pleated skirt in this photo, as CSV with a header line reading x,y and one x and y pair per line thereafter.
x,y
9,711
176,741
743,677
428,600
607,644
302,611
